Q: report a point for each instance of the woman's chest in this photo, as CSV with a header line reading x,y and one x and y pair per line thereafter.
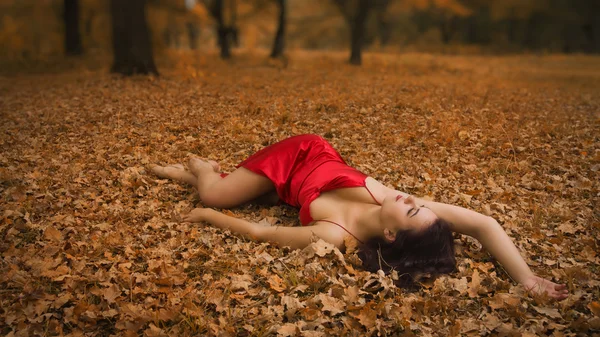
x,y
339,202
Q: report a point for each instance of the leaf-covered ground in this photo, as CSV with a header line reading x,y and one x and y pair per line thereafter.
x,y
91,243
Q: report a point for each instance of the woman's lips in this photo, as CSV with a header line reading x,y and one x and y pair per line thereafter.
x,y
398,197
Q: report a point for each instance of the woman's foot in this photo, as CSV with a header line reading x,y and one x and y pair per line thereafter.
x,y
175,172
198,166
169,171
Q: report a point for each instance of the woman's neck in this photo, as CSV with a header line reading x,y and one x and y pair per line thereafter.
x,y
367,224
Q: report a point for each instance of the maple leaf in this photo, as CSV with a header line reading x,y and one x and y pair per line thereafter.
x,y
367,316
52,233
320,248
550,312
111,293
331,304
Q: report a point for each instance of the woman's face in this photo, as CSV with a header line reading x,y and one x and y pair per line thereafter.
x,y
402,213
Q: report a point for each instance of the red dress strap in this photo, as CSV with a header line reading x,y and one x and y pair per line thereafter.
x,y
342,227
372,196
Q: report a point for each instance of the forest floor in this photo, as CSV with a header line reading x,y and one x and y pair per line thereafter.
x,y
92,244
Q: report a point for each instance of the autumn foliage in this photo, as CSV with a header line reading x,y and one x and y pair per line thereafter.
x,y
91,243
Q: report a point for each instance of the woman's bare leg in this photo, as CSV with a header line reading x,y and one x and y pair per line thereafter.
x,y
239,187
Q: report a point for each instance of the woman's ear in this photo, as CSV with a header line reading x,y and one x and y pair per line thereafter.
x,y
389,236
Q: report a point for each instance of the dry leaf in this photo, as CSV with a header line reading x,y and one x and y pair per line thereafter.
x,y
550,312
594,307
332,305
91,236
287,330
474,285
52,233
367,316
276,283
111,293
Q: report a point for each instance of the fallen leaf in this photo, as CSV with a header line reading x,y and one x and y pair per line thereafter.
x,y
594,308
53,234
550,312
474,285
287,330
154,331
276,283
111,293
332,305
367,316
503,300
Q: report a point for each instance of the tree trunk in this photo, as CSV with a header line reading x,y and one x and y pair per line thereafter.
x,y
132,48
358,31
72,35
193,34
279,43
448,28
383,26
223,31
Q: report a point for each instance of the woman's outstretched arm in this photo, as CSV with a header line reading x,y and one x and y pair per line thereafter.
x,y
294,237
495,240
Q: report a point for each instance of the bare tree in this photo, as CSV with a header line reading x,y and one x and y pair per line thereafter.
x,y
72,32
279,42
225,12
132,48
356,13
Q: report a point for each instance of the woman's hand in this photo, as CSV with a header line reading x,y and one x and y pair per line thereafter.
x,y
539,286
196,215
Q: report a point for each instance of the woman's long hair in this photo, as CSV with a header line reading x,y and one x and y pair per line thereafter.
x,y
428,252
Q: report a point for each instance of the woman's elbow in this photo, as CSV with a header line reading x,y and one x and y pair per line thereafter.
x,y
257,233
488,225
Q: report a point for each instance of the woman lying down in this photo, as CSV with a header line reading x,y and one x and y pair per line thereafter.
x,y
409,234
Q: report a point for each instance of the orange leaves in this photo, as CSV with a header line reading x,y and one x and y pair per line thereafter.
x,y
366,316
111,293
550,312
332,305
88,235
474,285
595,308
276,283
503,300
52,233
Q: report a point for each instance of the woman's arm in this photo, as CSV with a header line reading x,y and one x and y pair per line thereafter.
x,y
294,237
495,240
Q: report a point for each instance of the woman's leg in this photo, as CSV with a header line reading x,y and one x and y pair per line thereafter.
x,y
237,188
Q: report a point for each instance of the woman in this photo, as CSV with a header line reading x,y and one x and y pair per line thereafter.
x,y
397,231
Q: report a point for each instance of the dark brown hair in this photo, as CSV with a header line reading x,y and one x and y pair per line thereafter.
x,y
427,252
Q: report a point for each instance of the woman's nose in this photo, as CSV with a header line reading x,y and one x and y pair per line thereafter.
x,y
409,200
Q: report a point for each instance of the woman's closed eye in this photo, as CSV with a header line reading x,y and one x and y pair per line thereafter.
x,y
414,211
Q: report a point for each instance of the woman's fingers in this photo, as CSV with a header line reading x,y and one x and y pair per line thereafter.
x,y
194,216
538,285
559,291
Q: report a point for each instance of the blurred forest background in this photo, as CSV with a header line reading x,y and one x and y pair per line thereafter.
x,y
35,29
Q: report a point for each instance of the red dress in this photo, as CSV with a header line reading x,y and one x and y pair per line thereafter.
x,y
302,167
